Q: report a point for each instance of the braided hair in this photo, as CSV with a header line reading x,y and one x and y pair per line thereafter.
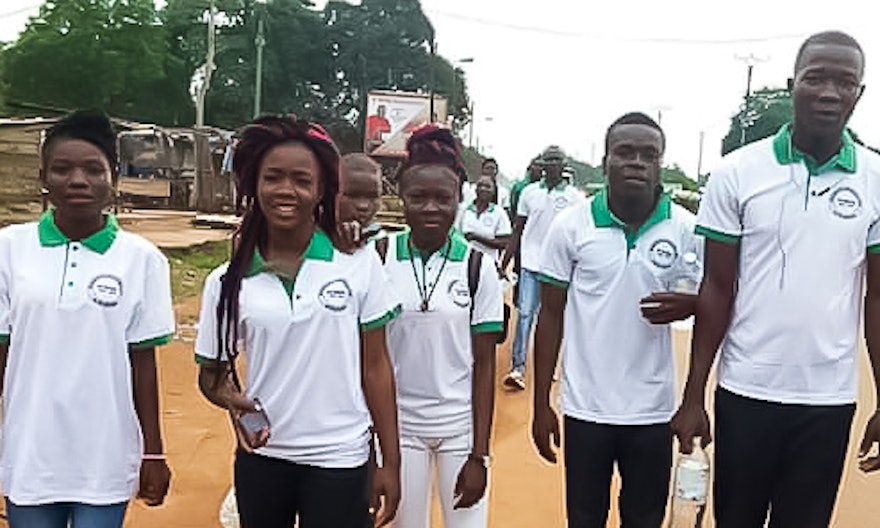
x,y
257,139
433,145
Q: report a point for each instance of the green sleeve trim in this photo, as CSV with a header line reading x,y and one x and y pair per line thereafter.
x,y
717,236
547,279
382,321
488,327
202,360
4,339
156,341
875,248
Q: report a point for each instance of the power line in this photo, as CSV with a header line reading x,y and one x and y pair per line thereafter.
x,y
596,36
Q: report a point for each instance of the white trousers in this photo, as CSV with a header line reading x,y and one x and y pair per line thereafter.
x,y
424,462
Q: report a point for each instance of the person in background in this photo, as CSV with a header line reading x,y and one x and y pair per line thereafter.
x,y
608,272
312,319
538,205
443,343
484,223
83,306
792,227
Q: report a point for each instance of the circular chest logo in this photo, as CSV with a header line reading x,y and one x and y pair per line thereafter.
x,y
663,253
459,293
560,202
487,220
335,295
845,203
105,290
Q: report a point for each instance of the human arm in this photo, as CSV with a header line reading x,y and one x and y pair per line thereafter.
x,y
155,475
666,307
872,338
4,353
548,338
514,242
714,308
377,381
498,242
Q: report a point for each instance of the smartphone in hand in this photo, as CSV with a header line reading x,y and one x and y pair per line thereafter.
x,y
253,423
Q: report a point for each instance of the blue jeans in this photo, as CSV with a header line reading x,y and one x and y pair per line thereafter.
x,y
59,514
528,304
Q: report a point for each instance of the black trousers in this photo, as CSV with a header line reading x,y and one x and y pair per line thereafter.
x,y
643,454
272,492
783,458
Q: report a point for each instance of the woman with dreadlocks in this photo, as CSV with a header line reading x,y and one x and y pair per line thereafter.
x,y
443,343
83,304
312,320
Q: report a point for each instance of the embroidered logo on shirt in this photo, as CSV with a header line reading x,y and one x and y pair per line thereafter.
x,y
487,220
459,293
560,202
663,253
105,290
845,202
335,295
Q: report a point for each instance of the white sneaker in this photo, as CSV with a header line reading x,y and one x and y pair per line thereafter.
x,y
515,380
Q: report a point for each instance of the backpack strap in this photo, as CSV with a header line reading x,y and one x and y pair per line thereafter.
x,y
475,261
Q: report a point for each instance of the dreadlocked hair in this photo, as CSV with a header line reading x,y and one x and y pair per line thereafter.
x,y
433,145
257,139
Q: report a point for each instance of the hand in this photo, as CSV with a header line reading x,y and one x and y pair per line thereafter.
x,y
470,237
471,484
872,436
689,422
349,236
155,478
545,427
666,307
386,494
238,406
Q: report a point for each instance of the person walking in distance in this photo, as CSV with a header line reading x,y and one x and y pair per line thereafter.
x,y
443,343
792,224
609,272
312,319
83,306
538,205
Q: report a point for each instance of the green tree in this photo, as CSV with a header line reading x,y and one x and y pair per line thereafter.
x,y
110,54
765,111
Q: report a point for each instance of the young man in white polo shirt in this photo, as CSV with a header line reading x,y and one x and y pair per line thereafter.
x,y
538,205
792,225
609,273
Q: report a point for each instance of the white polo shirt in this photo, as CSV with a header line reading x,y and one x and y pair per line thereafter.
x,y
540,206
491,223
69,312
804,233
618,368
432,351
303,342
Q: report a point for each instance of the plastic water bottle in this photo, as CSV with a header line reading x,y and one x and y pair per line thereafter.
x,y
686,275
691,489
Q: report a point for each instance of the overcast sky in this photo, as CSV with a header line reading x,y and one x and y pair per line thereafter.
x,y
560,71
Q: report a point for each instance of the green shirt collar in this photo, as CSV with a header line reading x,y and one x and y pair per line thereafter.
x,y
454,249
559,186
786,153
100,242
473,207
320,248
603,217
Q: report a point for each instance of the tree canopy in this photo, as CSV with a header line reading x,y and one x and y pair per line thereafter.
x,y
761,116
137,62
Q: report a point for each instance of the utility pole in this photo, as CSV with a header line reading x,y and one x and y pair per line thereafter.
x,y
750,61
431,81
260,42
700,157
209,69
471,132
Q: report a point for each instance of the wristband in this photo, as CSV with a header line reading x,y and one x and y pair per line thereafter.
x,y
153,456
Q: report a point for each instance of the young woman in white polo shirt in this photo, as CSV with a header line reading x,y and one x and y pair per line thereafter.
x,y
83,305
312,320
484,223
443,343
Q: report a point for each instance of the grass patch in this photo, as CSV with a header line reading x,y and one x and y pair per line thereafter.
x,y
191,265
